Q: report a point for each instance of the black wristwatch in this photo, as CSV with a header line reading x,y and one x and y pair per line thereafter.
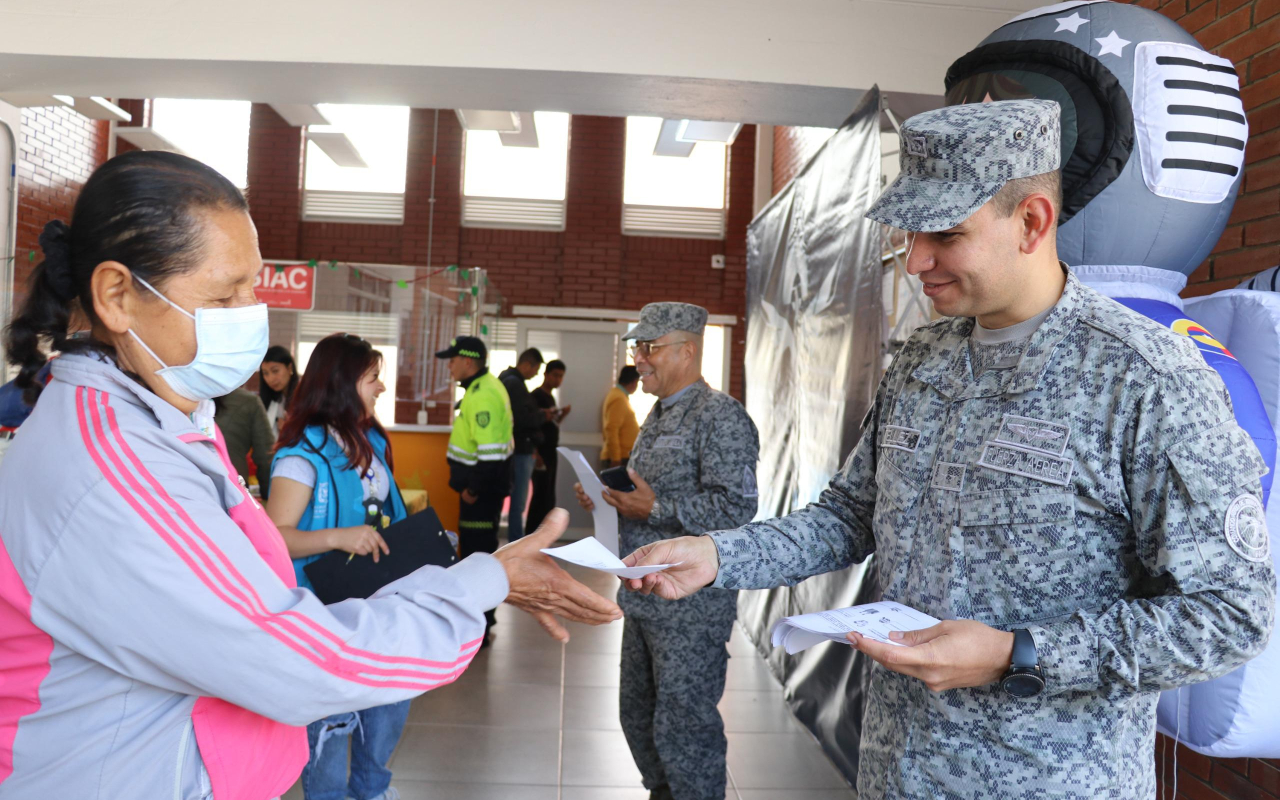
x,y
1024,678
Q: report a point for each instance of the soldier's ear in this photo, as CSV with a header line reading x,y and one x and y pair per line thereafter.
x,y
1039,221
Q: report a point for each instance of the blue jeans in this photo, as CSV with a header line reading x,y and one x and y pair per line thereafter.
x,y
521,474
372,735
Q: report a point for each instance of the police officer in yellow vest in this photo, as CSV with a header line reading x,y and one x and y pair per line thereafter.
x,y
479,448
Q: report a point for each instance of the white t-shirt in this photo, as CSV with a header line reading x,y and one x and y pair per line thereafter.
x,y
376,481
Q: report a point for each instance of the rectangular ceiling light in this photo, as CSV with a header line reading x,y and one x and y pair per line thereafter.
x,y
339,148
36,100
145,138
300,114
500,121
669,143
692,130
101,108
526,136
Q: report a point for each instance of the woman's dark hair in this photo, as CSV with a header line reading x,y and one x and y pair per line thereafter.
x,y
628,375
278,354
140,209
327,396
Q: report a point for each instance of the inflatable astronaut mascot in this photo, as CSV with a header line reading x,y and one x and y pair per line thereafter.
x,y
1153,135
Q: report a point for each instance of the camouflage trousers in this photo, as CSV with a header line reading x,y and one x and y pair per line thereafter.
x,y
673,677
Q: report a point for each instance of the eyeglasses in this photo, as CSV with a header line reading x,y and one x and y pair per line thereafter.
x,y
645,348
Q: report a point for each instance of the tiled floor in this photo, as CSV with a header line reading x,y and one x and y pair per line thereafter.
x,y
532,719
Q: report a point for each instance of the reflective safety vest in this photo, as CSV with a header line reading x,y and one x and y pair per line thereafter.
x,y
482,429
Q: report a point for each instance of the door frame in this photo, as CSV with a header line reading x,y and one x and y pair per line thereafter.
x,y
523,324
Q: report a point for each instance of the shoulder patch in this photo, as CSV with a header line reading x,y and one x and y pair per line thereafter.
x,y
1246,528
482,419
749,487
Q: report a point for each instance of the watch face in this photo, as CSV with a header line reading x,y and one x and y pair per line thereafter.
x,y
1023,684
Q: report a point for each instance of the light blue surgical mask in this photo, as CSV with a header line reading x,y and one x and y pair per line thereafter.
x,y
230,344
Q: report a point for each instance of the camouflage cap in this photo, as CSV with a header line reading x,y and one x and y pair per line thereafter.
x,y
955,159
659,319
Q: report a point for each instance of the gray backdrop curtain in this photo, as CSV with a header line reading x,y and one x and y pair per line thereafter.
x,y
815,327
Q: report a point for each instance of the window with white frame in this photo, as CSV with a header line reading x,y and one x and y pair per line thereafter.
x,y
213,131
672,195
375,136
517,182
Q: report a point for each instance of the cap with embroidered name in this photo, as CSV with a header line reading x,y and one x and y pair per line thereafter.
x,y
955,159
659,319
468,346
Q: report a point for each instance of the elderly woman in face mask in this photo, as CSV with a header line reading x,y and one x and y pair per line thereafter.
x,y
156,643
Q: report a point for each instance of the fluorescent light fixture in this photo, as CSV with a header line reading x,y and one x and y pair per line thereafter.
x,y
669,142
526,136
692,130
300,114
338,147
37,100
500,121
145,138
101,108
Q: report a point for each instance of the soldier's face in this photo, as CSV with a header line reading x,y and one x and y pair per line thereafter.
x,y
664,360
968,270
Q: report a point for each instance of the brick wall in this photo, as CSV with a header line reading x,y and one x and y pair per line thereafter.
x,y
1204,778
57,151
792,148
588,265
1248,33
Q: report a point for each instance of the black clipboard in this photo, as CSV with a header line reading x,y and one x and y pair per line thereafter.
x,y
416,541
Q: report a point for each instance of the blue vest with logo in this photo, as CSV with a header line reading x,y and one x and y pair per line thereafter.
x,y
337,499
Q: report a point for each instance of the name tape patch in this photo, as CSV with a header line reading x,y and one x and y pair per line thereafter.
x,y
948,477
669,442
1034,434
1042,466
900,438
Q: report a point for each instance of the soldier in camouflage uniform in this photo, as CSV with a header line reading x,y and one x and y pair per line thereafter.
x,y
694,468
1071,495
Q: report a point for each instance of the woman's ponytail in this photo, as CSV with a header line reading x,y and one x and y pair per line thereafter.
x,y
46,312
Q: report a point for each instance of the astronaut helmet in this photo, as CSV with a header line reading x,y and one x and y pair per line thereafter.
x,y
1153,127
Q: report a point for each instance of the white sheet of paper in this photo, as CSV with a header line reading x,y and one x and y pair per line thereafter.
x,y
873,620
605,516
590,553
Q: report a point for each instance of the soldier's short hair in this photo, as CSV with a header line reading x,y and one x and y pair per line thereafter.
x,y
1015,191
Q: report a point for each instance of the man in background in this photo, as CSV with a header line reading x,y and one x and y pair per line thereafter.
x,y
545,460
527,422
619,419
479,448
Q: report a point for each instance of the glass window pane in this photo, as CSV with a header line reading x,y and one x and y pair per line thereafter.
x,y
696,181
379,133
213,131
491,169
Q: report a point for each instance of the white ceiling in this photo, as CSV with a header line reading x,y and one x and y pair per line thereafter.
x,y
782,61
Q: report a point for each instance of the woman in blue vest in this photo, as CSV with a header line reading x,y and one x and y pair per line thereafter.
x,y
331,483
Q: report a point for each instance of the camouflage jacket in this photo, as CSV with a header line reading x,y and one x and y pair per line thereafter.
x,y
699,455
1099,494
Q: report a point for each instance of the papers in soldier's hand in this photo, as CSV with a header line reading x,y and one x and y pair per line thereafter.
x,y
604,516
873,620
590,553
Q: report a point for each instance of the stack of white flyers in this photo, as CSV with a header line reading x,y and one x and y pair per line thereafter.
x,y
873,620
599,551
